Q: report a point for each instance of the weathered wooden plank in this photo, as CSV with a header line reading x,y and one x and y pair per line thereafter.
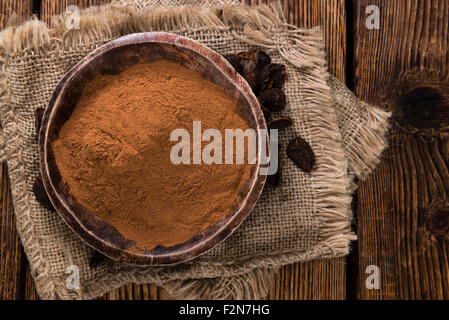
x,y
30,288
20,9
404,67
12,260
12,263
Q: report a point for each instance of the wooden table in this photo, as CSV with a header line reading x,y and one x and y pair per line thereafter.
x,y
404,67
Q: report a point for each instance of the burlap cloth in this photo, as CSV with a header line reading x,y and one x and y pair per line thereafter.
x,y
309,217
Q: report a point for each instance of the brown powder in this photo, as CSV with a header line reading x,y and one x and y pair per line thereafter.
x,y
114,153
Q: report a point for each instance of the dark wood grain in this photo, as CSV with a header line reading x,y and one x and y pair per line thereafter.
x,y
12,258
14,9
404,67
30,292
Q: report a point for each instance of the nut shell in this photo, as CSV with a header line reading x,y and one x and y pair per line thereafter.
x,y
273,99
302,154
273,75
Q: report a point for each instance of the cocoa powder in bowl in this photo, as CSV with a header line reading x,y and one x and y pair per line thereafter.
x,y
114,154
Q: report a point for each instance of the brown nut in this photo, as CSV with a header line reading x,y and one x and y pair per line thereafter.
x,y
273,99
280,123
302,154
260,57
273,75
250,64
234,60
96,259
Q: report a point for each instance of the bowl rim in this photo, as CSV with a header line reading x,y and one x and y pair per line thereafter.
x,y
66,212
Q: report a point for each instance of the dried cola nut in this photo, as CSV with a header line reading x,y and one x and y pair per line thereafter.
x,y
41,194
251,74
38,114
302,154
259,56
280,123
96,259
250,64
234,60
275,179
273,99
273,75
266,112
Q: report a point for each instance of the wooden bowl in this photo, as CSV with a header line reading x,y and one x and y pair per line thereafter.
x,y
113,58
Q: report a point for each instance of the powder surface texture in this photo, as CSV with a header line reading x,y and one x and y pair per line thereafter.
x,y
114,153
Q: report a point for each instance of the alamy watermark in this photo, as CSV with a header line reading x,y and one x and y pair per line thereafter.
x,y
372,282
72,18
373,20
72,282
220,150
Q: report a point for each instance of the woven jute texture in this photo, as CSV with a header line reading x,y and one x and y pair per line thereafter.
x,y
307,218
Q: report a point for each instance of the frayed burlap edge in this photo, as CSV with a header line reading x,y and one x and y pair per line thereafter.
x,y
253,285
256,268
263,26
364,147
